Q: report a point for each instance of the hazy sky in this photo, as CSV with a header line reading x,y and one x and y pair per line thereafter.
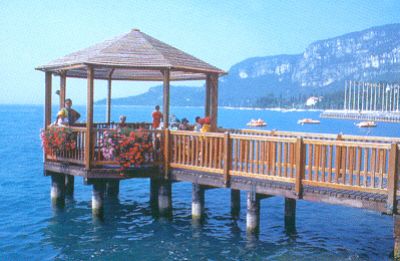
x,y
219,32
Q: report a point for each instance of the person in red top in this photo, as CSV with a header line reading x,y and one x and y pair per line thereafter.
x,y
157,116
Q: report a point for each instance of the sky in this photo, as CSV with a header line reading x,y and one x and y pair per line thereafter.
x,y
222,33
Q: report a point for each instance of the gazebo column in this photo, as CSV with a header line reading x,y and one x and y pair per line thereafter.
x,y
47,100
166,79
63,84
214,101
89,117
207,96
108,115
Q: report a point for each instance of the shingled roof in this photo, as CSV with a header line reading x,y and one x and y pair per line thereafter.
x,y
132,56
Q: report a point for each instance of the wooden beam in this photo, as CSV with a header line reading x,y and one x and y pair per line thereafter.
x,y
89,117
63,84
214,101
47,103
166,80
392,180
207,96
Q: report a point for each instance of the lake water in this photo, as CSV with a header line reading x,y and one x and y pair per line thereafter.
x,y
31,230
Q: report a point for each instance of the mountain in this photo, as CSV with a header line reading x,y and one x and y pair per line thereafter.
x,y
285,80
179,95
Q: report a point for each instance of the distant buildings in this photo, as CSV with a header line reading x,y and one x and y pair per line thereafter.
x,y
312,101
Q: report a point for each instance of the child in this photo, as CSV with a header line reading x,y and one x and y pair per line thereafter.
x,y
62,118
157,116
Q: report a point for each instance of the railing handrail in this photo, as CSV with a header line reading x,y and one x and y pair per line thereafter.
x,y
327,136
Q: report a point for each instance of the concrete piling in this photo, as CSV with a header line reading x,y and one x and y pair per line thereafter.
x,y
69,185
253,213
164,198
235,203
57,192
290,214
197,201
99,188
112,188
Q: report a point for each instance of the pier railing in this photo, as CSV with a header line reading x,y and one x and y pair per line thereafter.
x,y
154,156
356,163
360,164
75,155
78,154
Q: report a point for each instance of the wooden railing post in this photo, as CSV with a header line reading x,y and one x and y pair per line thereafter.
x,y
227,157
167,153
392,180
300,164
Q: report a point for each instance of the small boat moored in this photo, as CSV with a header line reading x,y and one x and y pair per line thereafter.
x,y
308,121
366,124
256,123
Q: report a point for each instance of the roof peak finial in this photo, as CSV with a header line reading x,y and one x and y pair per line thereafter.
x,y
136,29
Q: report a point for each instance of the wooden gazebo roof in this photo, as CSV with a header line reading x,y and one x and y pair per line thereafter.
x,y
132,56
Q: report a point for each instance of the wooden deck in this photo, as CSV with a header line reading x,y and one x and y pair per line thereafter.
x,y
354,171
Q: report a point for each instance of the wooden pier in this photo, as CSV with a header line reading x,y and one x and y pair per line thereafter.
x,y
353,171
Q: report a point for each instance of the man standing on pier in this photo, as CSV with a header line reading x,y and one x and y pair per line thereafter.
x,y
72,114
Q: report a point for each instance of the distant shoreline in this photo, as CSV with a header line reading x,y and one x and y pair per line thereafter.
x,y
181,106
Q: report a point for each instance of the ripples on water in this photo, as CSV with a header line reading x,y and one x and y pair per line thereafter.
x,y
31,229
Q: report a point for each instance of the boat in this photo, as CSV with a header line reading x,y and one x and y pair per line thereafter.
x,y
308,121
256,123
366,124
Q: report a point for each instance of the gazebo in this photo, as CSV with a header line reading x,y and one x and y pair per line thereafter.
x,y
134,56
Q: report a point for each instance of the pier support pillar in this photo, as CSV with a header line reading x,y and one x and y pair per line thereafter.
x,y
69,185
396,235
99,188
235,203
290,214
164,198
253,213
154,184
112,188
57,192
197,201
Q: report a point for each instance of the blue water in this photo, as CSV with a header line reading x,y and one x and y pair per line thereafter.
x,y
31,230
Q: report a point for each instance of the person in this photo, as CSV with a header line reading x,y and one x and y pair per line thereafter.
x,y
206,124
122,127
157,116
72,114
62,119
122,121
174,124
198,123
184,125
